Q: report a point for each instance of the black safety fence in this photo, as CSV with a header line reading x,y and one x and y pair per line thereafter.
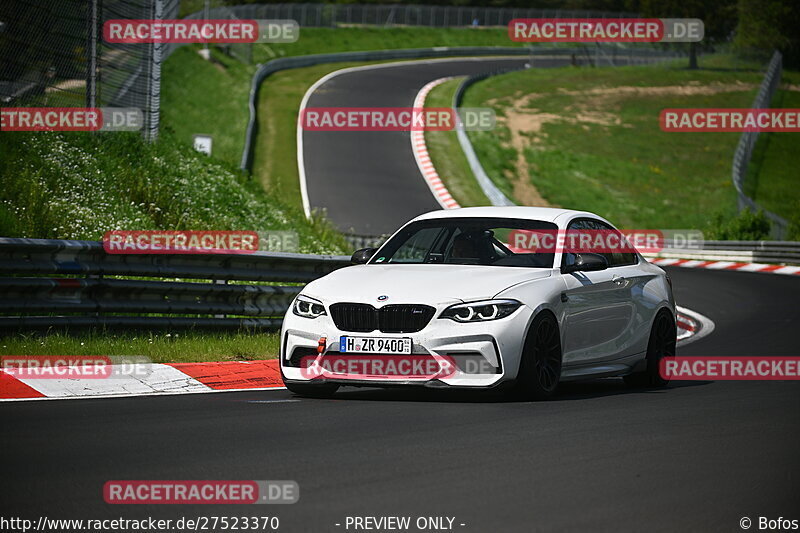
x,y
52,54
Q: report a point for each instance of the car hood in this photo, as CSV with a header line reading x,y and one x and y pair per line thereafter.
x,y
431,284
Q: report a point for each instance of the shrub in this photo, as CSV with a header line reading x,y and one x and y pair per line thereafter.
x,y
746,226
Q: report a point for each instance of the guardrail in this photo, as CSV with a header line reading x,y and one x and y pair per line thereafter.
x,y
492,192
89,287
48,284
744,150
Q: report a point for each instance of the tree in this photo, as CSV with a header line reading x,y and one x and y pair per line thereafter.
x,y
718,16
765,25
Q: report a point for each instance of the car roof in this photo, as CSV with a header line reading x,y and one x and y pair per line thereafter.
x,y
546,214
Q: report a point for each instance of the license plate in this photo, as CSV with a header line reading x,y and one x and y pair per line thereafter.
x,y
385,345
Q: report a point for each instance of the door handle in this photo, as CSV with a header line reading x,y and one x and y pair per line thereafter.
x,y
619,280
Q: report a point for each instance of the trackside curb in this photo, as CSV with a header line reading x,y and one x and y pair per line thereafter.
x,y
423,158
160,379
692,326
727,265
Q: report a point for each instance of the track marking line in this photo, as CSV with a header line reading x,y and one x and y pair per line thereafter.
x,y
273,401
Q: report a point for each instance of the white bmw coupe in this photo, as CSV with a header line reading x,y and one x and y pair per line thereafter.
x,y
477,298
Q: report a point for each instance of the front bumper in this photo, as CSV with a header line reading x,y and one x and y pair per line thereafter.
x,y
485,353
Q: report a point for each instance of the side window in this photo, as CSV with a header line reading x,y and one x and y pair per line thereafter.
x,y
580,224
614,259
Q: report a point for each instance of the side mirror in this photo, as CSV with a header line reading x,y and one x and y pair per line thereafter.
x,y
363,255
586,262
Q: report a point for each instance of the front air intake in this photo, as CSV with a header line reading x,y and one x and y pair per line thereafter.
x,y
394,318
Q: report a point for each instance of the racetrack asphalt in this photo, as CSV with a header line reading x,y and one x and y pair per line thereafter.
x,y
599,457
368,182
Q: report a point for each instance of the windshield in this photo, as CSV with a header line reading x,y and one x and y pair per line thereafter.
x,y
465,241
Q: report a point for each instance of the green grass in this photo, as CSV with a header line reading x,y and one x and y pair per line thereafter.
x,y
80,185
189,347
772,178
329,40
446,153
609,154
202,97
729,61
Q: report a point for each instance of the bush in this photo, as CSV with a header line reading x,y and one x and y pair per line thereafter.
x,y
793,232
78,186
746,226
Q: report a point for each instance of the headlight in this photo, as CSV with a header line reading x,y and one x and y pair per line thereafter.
x,y
307,307
480,311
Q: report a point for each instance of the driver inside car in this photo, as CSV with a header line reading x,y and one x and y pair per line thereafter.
x,y
472,248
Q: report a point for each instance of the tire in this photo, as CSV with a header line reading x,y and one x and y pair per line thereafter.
x,y
323,390
663,338
540,364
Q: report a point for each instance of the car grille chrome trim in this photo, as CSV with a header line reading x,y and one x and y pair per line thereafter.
x,y
392,318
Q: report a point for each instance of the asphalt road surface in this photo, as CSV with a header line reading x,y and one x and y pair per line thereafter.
x,y
599,457
368,182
